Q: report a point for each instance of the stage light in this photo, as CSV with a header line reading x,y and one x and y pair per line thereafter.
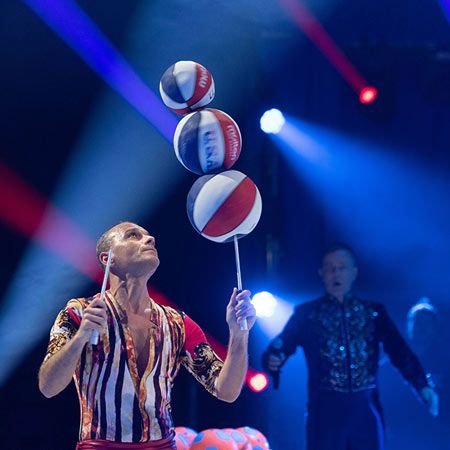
x,y
305,20
368,95
265,304
258,382
272,121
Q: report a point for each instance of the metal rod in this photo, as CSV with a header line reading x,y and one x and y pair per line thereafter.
x,y
243,323
94,336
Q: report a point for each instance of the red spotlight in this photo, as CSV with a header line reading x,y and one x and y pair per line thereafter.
x,y
368,95
258,382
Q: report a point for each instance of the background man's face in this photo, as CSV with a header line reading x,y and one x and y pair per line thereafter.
x,y
338,273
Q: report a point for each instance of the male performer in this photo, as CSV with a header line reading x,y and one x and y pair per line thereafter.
x,y
124,382
341,335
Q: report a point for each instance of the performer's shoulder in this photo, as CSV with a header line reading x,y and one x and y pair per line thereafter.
x,y
80,303
173,314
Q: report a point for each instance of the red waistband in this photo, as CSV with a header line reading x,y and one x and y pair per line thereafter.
x,y
100,444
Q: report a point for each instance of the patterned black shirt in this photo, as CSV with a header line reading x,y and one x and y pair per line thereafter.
x,y
342,341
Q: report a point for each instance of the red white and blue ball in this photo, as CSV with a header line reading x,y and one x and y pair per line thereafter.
x,y
207,141
225,205
213,440
186,86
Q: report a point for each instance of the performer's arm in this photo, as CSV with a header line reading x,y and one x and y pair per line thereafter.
x,y
222,379
56,373
403,358
69,335
232,376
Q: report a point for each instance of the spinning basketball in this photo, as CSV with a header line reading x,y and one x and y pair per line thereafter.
x,y
213,440
207,141
223,206
186,86
256,438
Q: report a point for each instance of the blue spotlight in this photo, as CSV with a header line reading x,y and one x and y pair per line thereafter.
x,y
265,304
272,121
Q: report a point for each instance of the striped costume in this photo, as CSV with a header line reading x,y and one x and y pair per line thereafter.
x,y
117,404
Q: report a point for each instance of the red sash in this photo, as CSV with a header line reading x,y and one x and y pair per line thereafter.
x,y
100,444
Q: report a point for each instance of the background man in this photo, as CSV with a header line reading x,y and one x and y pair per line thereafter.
x,y
341,336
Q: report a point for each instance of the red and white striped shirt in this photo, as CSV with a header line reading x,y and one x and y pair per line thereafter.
x,y
116,404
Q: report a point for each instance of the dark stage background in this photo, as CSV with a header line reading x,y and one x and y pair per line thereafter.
x,y
375,176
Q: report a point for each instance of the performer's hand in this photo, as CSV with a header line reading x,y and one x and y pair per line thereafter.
x,y
273,363
238,309
431,398
94,319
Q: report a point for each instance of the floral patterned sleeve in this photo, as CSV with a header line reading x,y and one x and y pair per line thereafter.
x,y
199,358
65,326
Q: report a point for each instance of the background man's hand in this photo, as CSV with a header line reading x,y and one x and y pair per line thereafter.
x,y
273,362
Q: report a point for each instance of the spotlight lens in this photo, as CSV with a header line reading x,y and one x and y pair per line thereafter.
x,y
368,95
258,382
272,121
265,304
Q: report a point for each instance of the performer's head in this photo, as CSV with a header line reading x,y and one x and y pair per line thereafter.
x,y
338,271
133,248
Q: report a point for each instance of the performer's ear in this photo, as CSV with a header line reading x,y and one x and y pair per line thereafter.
x,y
104,259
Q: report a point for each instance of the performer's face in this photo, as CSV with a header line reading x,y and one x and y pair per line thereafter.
x,y
134,250
338,273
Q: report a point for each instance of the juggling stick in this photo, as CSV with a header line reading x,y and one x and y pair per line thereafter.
x,y
242,323
94,336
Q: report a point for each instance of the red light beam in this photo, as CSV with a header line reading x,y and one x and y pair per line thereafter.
x,y
305,20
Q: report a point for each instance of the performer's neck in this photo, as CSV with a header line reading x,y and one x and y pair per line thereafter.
x,y
131,293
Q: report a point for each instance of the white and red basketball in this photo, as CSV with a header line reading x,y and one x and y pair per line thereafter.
x,y
224,205
207,141
186,86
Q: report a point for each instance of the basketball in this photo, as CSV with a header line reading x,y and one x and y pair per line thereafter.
x,y
207,141
225,205
186,86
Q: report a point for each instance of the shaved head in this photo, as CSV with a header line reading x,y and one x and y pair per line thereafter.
x,y
105,241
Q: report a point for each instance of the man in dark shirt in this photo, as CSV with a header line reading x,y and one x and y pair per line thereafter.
x,y
341,336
